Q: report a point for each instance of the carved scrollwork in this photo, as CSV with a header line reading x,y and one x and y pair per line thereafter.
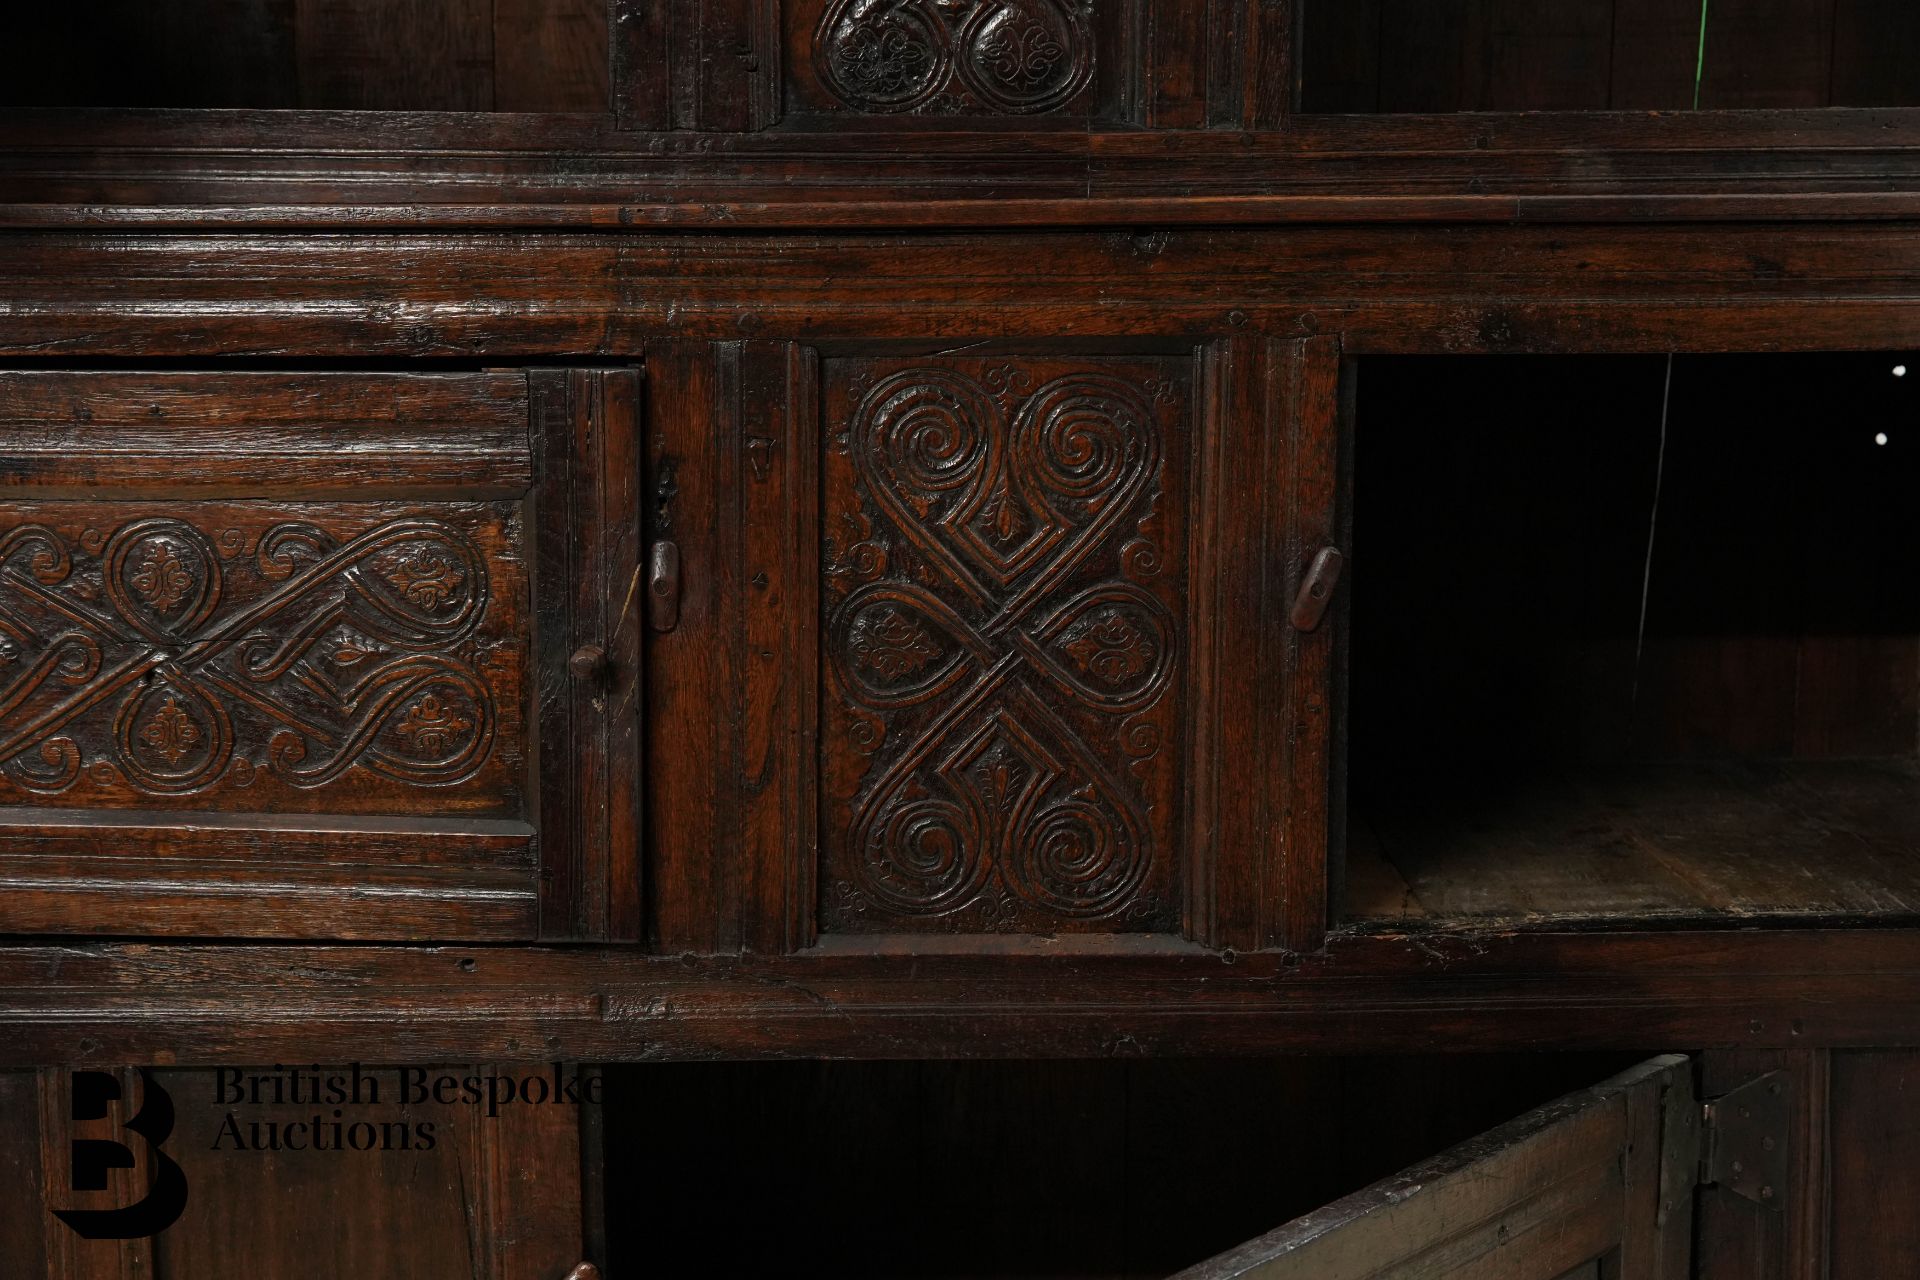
x,y
1010,790
342,653
987,654
948,56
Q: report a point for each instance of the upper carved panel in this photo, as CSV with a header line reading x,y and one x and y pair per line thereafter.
x,y
947,58
955,57
1005,592
241,656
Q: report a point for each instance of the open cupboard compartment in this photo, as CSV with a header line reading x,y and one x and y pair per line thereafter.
x,y
1387,57
1110,1168
1629,640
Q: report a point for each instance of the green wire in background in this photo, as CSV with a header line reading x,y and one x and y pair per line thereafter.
x,y
1700,60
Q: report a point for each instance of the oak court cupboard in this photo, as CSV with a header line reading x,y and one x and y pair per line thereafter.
x,y
1057,634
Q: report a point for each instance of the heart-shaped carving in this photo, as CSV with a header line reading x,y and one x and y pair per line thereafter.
x,y
999,505
1007,787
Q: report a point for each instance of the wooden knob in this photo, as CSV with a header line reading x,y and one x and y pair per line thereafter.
x,y
589,662
585,1271
1316,589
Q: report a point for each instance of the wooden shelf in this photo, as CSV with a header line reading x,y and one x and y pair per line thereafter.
x,y
1825,839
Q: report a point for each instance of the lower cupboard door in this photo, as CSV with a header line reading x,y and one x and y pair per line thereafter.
x,y
394,1174
1595,1186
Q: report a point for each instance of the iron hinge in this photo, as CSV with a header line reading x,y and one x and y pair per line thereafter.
x,y
1746,1140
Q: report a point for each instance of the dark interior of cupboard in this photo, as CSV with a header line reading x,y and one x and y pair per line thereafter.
x,y
1361,56
403,55
1630,649
1366,56
1109,1169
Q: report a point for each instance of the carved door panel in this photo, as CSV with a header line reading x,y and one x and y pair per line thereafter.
x,y
269,663
1597,1184
752,64
1004,599
1041,594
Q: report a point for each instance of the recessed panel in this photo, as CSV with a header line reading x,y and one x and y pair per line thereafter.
x,y
253,657
1005,606
946,57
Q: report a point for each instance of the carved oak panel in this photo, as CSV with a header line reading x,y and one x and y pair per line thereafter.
x,y
247,656
946,57
1005,600
272,662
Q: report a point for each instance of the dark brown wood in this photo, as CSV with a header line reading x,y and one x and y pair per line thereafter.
x,y
1870,1141
960,392
311,1186
1400,290
69,1255
1317,586
146,433
395,54
1870,40
706,65
1740,1239
694,898
550,56
591,682
1656,841
1494,55
302,613
1005,626
1656,48
280,684
777,443
1748,63
199,169
1274,437
845,57
1306,398
663,585
1495,990
22,1231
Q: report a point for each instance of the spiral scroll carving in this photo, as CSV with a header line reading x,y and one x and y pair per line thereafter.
x,y
139,658
1012,57
1000,663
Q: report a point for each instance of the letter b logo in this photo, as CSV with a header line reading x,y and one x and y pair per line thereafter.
x,y
166,1198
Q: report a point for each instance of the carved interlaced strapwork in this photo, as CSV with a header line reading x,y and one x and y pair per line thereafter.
x,y
955,56
164,659
1003,640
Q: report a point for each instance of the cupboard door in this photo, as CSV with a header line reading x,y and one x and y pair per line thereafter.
x,y
1006,636
269,663
1004,608
1598,1184
221,1181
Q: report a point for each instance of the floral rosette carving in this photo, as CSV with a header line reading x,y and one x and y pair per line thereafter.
x,y
1003,56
